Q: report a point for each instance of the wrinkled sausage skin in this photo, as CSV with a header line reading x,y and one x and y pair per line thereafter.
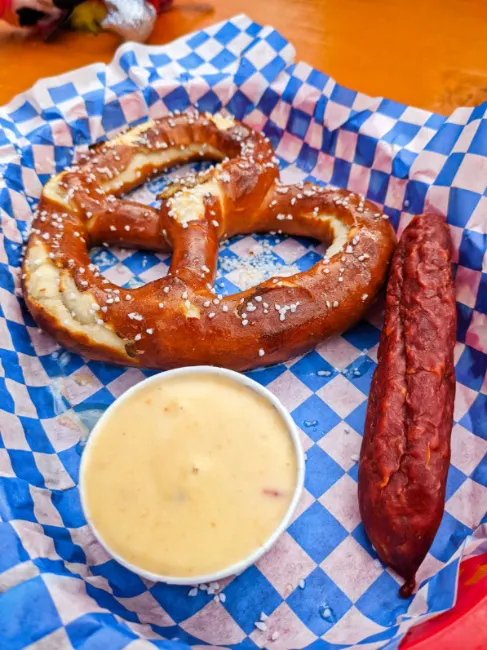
x,y
406,447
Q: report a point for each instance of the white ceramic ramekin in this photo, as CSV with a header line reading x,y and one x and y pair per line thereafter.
x,y
252,558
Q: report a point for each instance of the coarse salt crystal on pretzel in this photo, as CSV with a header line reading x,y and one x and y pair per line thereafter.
x,y
179,319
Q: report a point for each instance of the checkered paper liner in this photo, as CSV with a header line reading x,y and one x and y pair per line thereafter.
x,y
322,586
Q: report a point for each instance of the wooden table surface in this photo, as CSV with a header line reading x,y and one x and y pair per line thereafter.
x,y
428,53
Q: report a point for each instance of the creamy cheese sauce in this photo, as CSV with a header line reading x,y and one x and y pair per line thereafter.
x,y
189,475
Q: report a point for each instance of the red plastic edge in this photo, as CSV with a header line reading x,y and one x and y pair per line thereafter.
x,y
464,627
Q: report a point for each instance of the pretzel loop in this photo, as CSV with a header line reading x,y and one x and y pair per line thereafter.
x,y
178,320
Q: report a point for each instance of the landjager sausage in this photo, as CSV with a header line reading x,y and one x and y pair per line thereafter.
x,y
406,447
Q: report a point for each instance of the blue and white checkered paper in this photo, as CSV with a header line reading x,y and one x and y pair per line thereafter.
x,y
322,586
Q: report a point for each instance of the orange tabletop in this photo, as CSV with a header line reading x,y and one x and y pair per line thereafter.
x,y
427,53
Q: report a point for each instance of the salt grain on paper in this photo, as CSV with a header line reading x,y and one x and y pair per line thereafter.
x,y
326,613
255,268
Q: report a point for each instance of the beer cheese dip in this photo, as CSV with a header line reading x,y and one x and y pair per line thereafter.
x,y
189,473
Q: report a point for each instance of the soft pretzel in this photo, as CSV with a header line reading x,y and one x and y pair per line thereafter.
x,y
180,320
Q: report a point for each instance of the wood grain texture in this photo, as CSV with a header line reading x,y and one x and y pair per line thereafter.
x,y
427,53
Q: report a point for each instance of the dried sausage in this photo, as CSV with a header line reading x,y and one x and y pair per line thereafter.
x,y
406,447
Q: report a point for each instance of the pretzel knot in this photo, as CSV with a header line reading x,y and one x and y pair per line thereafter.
x,y
179,320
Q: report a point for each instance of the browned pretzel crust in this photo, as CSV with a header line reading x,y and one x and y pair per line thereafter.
x,y
179,320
